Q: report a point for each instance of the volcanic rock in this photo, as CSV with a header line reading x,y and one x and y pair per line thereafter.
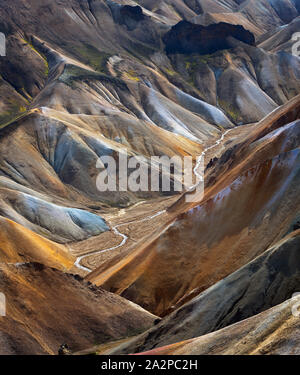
x,y
187,38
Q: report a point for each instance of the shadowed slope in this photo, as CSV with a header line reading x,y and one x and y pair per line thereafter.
x,y
46,308
273,332
267,281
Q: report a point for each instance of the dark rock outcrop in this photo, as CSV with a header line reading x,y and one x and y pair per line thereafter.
x,y
186,37
127,15
133,12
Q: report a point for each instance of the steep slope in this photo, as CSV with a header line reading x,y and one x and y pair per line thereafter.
x,y
89,79
46,308
175,10
273,332
264,14
236,18
245,81
267,281
18,244
282,39
214,238
267,14
113,89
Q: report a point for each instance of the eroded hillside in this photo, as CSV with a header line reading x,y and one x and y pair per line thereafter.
x,y
85,79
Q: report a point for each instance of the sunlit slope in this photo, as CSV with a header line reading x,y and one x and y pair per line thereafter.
x,y
19,244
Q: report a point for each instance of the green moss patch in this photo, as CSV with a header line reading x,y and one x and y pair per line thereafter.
x,y
46,71
7,118
93,57
73,73
232,112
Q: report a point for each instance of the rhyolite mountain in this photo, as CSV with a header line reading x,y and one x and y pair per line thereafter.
x,y
84,79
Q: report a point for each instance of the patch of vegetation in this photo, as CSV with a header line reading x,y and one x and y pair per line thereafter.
x,y
93,57
131,74
13,111
27,96
187,65
170,72
232,112
205,59
192,65
73,73
46,71
7,118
